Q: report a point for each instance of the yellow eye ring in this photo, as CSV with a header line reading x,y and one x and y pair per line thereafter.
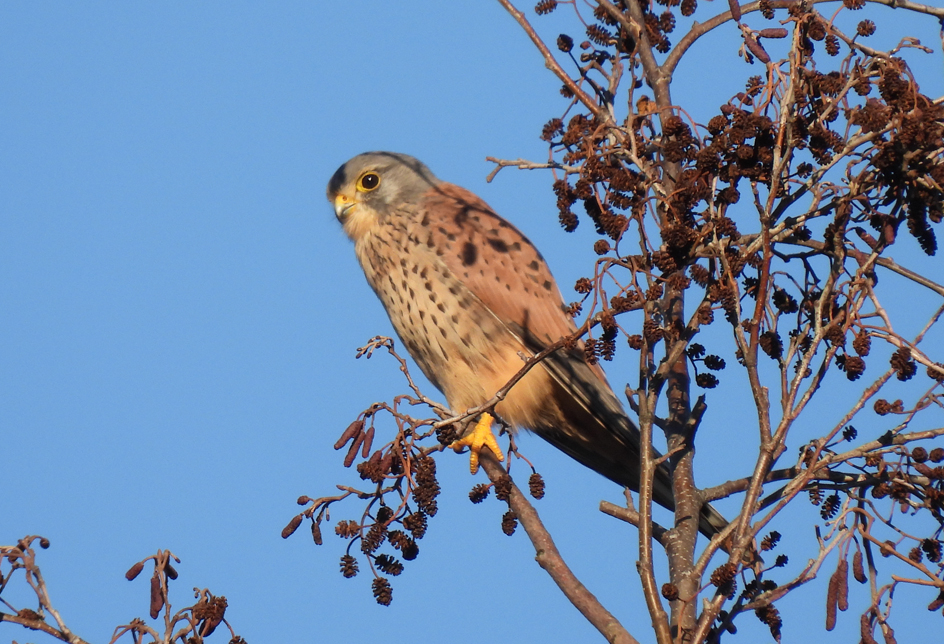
x,y
368,181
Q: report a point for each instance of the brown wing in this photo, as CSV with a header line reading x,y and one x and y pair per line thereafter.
x,y
495,262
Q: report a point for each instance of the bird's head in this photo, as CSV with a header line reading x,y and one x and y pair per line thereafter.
x,y
366,189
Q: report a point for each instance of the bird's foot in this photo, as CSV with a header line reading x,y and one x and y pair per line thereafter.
x,y
480,437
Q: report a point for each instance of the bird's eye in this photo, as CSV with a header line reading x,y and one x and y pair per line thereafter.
x,y
368,181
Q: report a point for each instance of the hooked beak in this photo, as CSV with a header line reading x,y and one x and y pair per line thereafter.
x,y
342,205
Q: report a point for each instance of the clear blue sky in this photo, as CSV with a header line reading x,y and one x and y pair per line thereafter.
x,y
179,309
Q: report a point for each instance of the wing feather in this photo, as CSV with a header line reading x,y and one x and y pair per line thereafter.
x,y
495,261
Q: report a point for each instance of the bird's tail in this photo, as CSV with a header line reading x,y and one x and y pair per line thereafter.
x,y
597,433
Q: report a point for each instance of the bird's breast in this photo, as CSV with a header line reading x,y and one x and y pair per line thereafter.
x,y
457,342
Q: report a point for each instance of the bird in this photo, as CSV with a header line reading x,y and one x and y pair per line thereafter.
x,y
469,295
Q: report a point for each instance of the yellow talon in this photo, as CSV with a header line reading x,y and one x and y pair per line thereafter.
x,y
481,436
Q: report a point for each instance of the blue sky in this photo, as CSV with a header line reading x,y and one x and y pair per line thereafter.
x,y
179,310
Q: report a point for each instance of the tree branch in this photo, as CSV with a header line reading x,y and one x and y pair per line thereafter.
x,y
551,63
549,558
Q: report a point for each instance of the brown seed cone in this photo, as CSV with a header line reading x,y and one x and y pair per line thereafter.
x,y
858,572
757,49
887,548
30,614
389,565
446,435
352,451
771,616
157,596
373,539
134,571
503,488
932,548
902,362
832,45
536,486
383,593
292,526
348,566
865,630
352,430
831,593
865,28
211,614
347,529
937,603
368,441
862,344
410,550
509,522
416,523
770,541
479,492
842,585
670,592
723,574
398,539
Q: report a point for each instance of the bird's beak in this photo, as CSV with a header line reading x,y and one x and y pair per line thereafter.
x,y
343,205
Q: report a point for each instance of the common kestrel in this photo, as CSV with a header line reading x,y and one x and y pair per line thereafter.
x,y
468,294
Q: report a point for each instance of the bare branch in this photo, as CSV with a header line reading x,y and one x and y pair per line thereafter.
x,y
549,558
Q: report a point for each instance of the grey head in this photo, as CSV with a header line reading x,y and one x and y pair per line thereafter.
x,y
378,181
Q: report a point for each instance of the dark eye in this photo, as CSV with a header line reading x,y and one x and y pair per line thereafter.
x,y
368,181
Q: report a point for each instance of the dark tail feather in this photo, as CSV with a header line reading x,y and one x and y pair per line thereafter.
x,y
598,434
711,522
